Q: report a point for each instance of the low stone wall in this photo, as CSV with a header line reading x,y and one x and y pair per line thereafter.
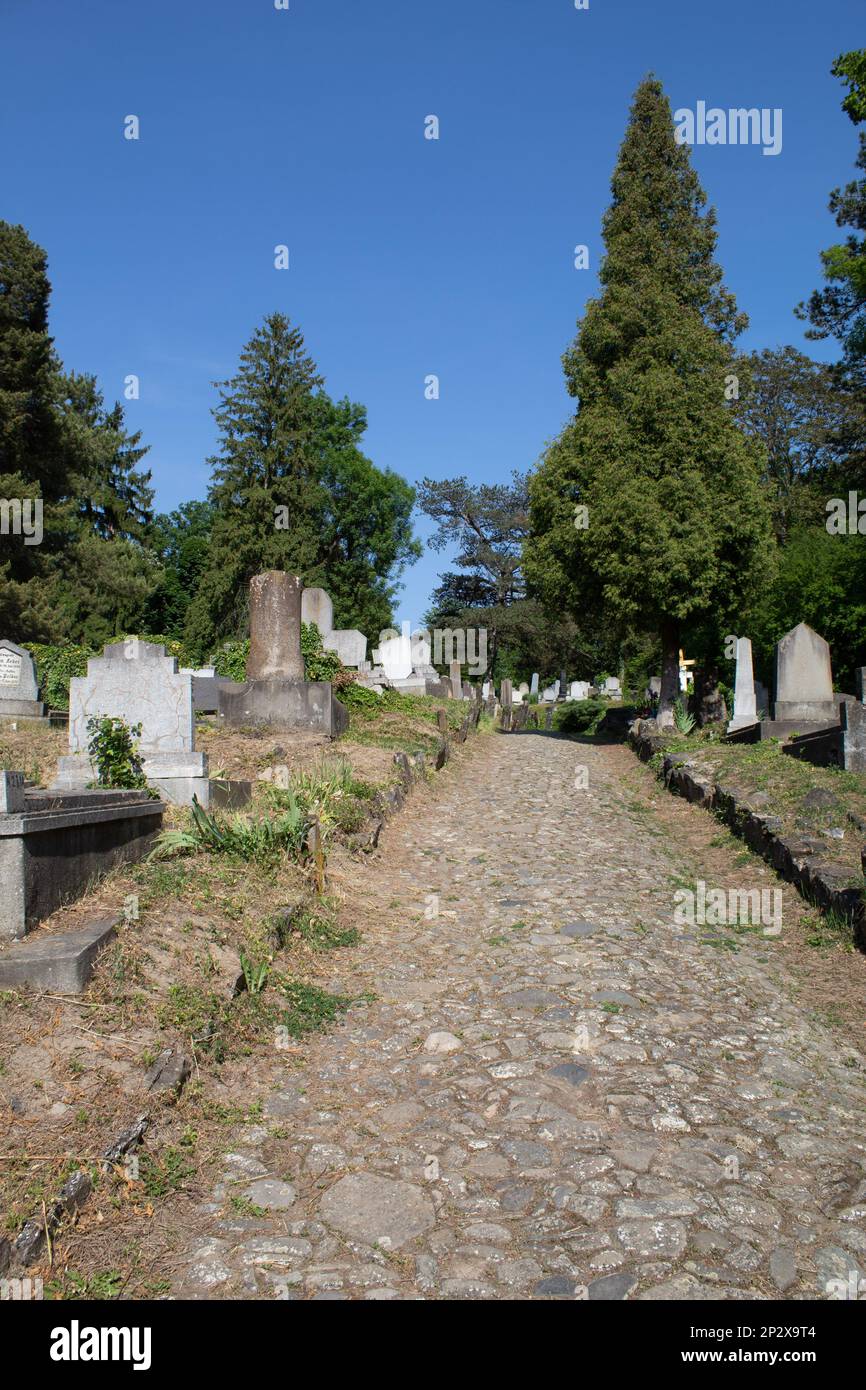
x,y
795,857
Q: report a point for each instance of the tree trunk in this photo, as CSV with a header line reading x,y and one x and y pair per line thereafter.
x,y
670,691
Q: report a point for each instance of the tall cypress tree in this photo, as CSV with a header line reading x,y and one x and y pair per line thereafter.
x,y
676,528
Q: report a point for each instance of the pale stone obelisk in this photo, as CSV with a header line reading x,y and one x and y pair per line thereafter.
x,y
745,706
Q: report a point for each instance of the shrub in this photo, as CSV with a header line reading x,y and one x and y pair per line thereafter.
x,y
683,721
112,749
55,667
580,717
231,660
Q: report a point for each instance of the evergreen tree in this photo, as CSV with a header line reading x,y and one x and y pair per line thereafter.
x,y
839,309
675,525
292,490
112,498
30,437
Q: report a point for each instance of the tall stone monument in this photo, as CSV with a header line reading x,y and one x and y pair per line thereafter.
x,y
275,627
275,694
745,699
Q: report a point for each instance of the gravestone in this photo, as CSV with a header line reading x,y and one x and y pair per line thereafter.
x,y
853,720
563,685
456,681
136,681
579,690
804,678
745,699
275,694
655,686
275,627
394,653
861,684
316,607
533,687
349,644
506,694
19,693
612,687
762,700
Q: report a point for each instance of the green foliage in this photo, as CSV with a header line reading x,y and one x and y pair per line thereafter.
x,y
320,929
310,1008
255,973
356,696
292,490
677,524
112,748
684,722
319,665
231,660
56,664
839,309
584,717
263,840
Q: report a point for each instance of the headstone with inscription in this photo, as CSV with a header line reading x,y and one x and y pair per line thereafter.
x,y
19,693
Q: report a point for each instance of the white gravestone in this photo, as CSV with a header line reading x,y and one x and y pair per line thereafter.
x,y
804,678
19,693
136,681
745,702
316,607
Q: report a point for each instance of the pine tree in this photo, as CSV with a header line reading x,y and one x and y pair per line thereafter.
x,y
292,490
113,498
675,526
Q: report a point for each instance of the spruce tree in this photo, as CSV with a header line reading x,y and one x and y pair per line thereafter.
x,y
675,527
292,490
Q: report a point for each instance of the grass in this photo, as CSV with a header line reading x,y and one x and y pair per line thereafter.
x,y
160,1176
309,1009
318,926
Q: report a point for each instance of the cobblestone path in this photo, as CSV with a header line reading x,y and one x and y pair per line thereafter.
x,y
558,1091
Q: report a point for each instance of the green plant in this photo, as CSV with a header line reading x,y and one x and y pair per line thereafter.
x,y
164,1174
231,660
683,721
310,1008
584,717
262,840
255,973
55,667
112,749
319,665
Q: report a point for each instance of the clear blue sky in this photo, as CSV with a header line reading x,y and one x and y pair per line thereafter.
x,y
408,256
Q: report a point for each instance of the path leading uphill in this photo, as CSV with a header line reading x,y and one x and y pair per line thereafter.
x,y
558,1091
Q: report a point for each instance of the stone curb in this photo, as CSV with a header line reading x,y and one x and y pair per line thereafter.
x,y
794,857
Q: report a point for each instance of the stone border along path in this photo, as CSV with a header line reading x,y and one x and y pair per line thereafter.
x,y
591,1104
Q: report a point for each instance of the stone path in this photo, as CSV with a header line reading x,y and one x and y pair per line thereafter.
x,y
558,1092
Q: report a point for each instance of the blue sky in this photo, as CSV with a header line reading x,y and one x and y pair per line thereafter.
x,y
408,256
